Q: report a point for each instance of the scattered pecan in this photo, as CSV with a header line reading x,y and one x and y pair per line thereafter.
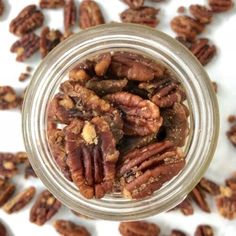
x,y
44,208
201,13
2,7
186,27
8,98
102,64
231,182
176,232
204,230
6,191
134,4
183,41
29,171
23,77
3,231
144,15
138,228
209,186
215,86
181,10
231,134
51,3
90,14
8,165
69,15
29,19
19,201
25,47
232,118
185,207
69,228
220,5
145,170
21,157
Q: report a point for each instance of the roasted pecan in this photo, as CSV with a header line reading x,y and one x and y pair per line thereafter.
x,y
21,157
220,5
231,182
29,171
27,20
23,77
2,7
92,156
231,134
181,10
186,27
231,118
102,64
3,231
51,3
138,228
204,230
183,41
69,228
69,15
19,201
141,117
209,186
45,207
134,4
201,13
185,207
90,14
49,39
25,47
144,15
6,191
145,170
8,165
176,232
8,98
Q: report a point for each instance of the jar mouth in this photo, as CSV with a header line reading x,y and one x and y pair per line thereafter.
x,y
201,100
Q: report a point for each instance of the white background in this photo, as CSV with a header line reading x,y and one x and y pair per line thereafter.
x,y
221,69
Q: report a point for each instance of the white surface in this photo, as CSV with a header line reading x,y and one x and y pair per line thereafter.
x,y
221,70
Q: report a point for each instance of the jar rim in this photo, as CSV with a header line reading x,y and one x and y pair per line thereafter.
x,y
202,99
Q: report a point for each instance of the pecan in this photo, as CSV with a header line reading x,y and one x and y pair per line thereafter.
x,y
209,186
51,3
134,4
90,14
183,41
231,134
138,228
181,10
204,230
145,170
3,231
231,182
25,47
203,51
23,77
69,15
176,232
8,165
186,27
44,208
141,117
2,7
6,191
92,156
220,5
231,118
49,39
29,171
102,64
29,19
185,207
8,98
19,201
201,13
144,15
69,228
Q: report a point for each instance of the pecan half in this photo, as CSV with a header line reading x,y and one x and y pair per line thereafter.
x,y
69,15
210,187
102,64
231,118
6,191
204,230
185,207
19,201
8,98
51,3
144,15
138,228
186,27
145,170
25,47
134,4
92,156
183,41
29,171
69,228
220,5
90,14
3,231
231,134
231,182
2,7
8,165
141,117
27,20
176,232
45,207
201,13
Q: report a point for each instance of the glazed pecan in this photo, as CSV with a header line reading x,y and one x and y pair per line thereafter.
x,y
3,231
29,19
185,207
209,186
8,165
6,191
102,64
25,47
181,10
204,230
186,27
23,77
231,118
141,117
90,14
231,182
143,15
69,228
19,201
201,13
221,5
21,157
44,208
138,228
231,134
29,171
134,4
49,39
176,232
69,15
2,7
8,98
92,156
51,3
145,170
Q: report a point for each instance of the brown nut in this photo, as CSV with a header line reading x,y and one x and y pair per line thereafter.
x,y
134,4
201,13
51,3
209,186
70,13
220,5
185,207
204,230
2,7
231,134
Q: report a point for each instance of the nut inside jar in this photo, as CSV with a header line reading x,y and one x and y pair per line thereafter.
x,y
119,123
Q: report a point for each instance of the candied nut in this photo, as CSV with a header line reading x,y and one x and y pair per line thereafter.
x,y
143,15
231,134
138,228
220,5
92,156
29,19
51,3
204,230
49,39
44,208
69,228
181,9
141,117
8,165
6,191
2,7
69,15
90,14
185,207
145,170
25,47
8,98
209,186
3,231
134,4
231,182
102,64
29,171
186,27
19,201
201,13
176,232
21,157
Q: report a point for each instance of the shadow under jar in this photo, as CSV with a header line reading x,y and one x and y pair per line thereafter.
x,y
201,102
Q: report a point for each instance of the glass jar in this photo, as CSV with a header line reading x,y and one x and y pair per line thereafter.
x,y
204,117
